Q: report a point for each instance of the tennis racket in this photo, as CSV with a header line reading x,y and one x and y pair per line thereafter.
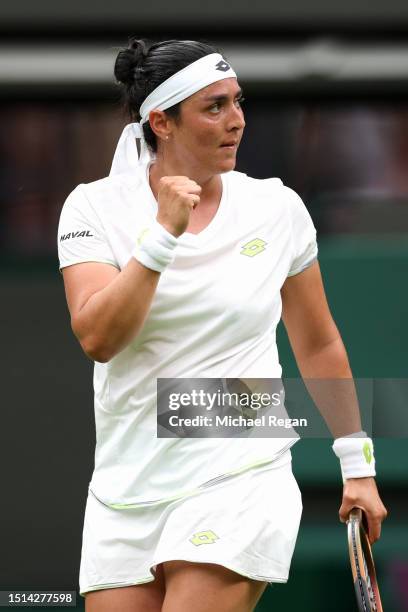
x,y
362,563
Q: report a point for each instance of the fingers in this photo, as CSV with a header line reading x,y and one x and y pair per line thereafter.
x,y
374,529
363,493
374,520
181,187
178,196
194,188
182,183
345,509
195,199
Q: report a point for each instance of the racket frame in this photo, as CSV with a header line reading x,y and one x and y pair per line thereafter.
x,y
362,563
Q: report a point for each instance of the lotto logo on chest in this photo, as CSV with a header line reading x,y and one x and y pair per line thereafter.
x,y
253,247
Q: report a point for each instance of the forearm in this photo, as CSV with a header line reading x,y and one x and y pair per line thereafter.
x,y
328,378
112,317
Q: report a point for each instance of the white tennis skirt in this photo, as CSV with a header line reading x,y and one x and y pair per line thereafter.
x,y
247,523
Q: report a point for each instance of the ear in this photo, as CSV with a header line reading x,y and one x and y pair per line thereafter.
x,y
160,123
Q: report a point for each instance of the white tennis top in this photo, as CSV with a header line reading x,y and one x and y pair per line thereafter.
x,y
214,314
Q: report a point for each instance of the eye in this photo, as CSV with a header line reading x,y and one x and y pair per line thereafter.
x,y
217,106
214,108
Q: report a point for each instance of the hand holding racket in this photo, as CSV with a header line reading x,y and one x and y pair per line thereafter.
x,y
363,493
363,511
362,564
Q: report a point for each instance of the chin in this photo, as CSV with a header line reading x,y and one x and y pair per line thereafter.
x,y
226,165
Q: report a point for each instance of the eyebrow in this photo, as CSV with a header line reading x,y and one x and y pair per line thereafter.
x,y
223,97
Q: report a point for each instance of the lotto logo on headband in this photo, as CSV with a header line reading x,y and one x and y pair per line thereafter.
x,y
223,66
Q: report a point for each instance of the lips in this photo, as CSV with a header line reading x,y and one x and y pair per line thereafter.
x,y
231,144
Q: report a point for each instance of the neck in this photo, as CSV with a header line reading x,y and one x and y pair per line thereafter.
x,y
210,183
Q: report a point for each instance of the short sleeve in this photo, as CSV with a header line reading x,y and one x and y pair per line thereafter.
x,y
304,245
81,236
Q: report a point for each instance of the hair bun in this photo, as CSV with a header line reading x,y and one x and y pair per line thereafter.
x,y
129,62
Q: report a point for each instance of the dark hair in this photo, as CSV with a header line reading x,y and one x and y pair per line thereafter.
x,y
144,65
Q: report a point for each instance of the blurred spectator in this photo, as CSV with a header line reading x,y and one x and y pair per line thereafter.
x,y
351,168
47,151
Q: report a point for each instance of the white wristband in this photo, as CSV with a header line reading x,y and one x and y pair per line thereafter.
x,y
155,247
356,454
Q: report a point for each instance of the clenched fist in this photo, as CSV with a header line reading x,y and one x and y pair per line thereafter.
x,y
177,197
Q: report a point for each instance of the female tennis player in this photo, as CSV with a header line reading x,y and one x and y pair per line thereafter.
x,y
176,266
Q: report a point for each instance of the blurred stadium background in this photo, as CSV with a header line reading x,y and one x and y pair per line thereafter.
x,y
326,90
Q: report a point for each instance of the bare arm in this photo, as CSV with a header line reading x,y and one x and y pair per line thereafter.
x,y
319,351
320,354
108,307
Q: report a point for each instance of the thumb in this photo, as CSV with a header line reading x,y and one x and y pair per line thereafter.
x,y
345,509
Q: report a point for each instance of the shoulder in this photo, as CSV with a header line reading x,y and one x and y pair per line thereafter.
x,y
265,192
268,186
101,195
110,187
272,185
261,185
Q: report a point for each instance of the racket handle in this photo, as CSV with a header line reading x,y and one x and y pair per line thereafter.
x,y
356,514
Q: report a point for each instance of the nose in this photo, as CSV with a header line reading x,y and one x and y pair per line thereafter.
x,y
236,119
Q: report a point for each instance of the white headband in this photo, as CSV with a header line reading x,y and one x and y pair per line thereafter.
x,y
181,85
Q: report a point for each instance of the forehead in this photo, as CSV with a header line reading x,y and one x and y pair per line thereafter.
x,y
225,87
